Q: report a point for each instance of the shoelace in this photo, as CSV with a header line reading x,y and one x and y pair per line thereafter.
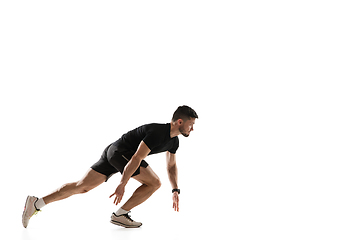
x,y
128,216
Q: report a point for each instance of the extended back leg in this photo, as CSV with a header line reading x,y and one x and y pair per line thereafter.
x,y
91,180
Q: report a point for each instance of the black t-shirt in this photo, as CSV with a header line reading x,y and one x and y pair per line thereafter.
x,y
156,136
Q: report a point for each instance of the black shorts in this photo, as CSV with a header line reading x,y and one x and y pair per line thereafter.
x,y
114,160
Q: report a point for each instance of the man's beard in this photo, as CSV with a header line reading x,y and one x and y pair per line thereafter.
x,y
182,131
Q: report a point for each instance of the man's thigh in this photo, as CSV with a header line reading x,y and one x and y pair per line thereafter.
x,y
92,179
147,176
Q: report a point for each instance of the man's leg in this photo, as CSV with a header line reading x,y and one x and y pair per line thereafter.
x,y
91,180
150,183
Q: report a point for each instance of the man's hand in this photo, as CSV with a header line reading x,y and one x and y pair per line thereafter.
x,y
175,198
119,193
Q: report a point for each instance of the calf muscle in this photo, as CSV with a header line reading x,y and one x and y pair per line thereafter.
x,y
91,180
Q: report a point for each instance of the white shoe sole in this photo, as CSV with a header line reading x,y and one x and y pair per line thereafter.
x,y
124,225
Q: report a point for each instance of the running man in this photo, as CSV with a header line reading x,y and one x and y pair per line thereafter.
x,y
126,155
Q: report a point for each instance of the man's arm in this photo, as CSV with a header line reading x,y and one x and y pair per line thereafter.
x,y
173,177
134,162
172,169
129,170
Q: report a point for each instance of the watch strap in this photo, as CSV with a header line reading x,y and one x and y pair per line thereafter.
x,y
176,190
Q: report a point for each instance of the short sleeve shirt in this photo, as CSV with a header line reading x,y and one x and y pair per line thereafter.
x,y
156,136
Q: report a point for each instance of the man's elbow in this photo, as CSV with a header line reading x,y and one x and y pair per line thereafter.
x,y
171,167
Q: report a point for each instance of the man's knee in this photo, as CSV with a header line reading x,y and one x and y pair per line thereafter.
x,y
156,183
149,178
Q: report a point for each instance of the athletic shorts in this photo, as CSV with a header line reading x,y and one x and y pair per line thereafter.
x,y
114,160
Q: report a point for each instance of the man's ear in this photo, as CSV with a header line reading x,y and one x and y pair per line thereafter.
x,y
180,121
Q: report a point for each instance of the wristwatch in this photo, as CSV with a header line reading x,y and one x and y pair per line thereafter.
x,y
176,190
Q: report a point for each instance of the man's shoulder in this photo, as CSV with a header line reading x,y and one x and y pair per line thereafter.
x,y
155,127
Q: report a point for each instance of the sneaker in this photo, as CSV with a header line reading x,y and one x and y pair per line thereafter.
x,y
124,220
29,210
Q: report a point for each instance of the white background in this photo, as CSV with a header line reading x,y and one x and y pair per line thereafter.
x,y
275,151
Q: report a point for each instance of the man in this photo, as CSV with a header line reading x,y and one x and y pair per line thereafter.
x,y
126,156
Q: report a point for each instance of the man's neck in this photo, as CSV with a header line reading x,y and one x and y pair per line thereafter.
x,y
174,130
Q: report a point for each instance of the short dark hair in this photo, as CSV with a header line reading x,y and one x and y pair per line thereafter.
x,y
185,113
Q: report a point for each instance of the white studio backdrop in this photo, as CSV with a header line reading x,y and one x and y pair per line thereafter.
x,y
275,151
